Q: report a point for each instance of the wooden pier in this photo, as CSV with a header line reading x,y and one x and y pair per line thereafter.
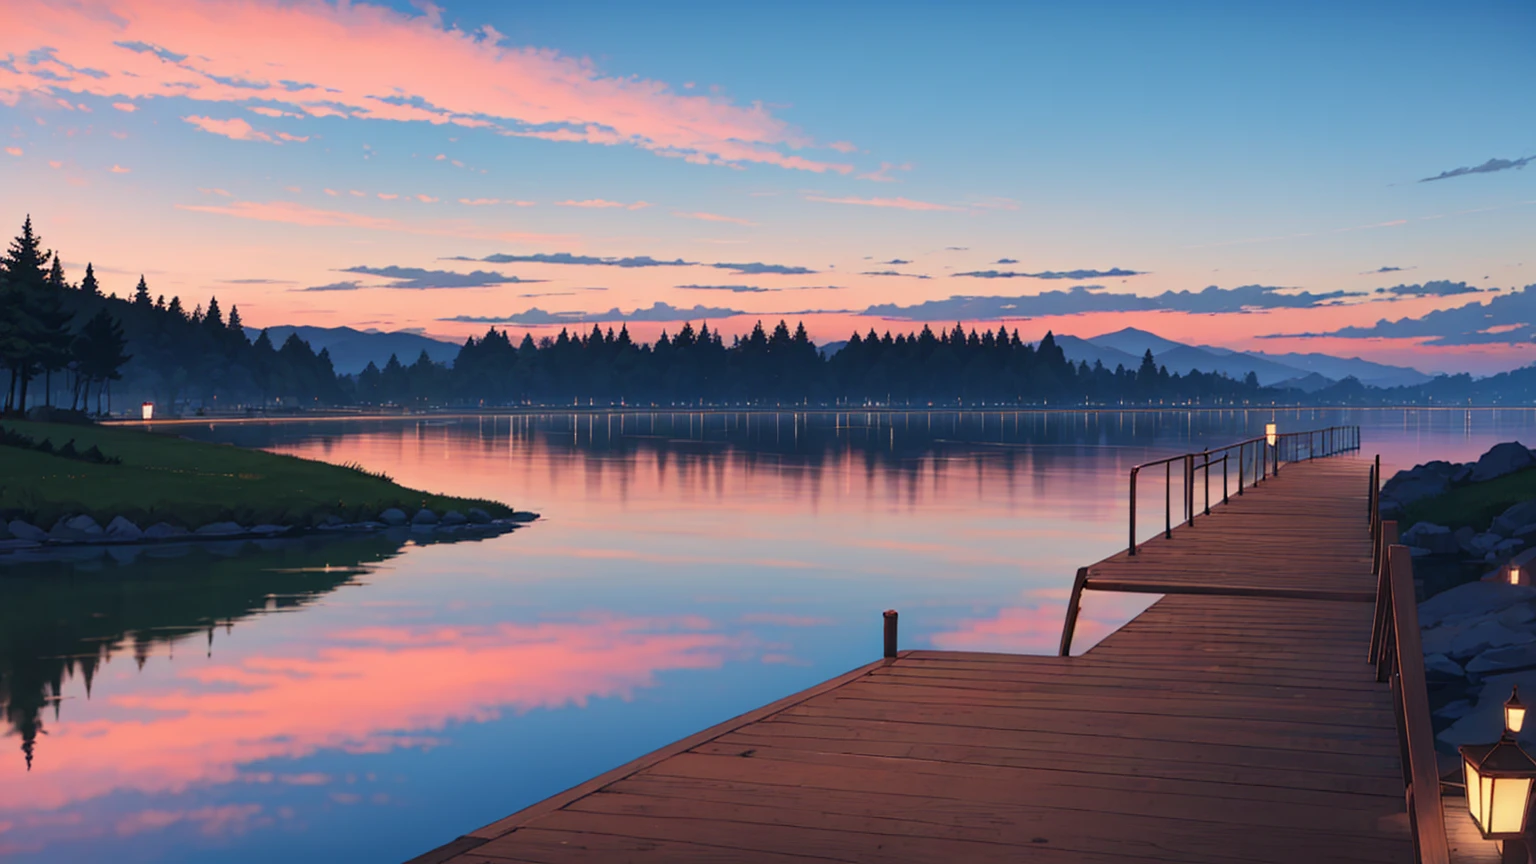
x,y
1236,720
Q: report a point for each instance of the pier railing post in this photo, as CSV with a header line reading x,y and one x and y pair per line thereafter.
x,y
890,633
1074,603
1131,549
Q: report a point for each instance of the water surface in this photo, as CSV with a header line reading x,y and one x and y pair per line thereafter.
x,y
367,698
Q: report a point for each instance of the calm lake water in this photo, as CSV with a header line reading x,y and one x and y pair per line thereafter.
x,y
367,698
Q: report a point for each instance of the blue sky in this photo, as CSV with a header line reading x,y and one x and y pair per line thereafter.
x,y
1198,144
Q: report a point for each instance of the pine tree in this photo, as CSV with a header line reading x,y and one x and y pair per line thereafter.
x,y
214,318
235,326
141,293
56,278
88,284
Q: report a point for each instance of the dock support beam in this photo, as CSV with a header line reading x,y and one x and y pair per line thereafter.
x,y
890,634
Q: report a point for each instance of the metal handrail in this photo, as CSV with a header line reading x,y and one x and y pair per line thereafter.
x,y
1264,457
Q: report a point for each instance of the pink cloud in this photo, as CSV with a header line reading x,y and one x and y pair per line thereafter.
x,y
14,151
426,199
388,196
898,203
54,163
843,146
348,55
265,111
125,106
600,204
296,138
214,191
293,213
234,128
883,173
118,169
714,217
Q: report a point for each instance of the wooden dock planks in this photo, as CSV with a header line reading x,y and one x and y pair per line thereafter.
x,y
1210,728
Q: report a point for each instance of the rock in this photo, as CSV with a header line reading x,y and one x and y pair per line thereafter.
x,y
1421,481
164,531
1511,658
394,516
1483,722
1462,475
122,529
1443,666
1501,459
1464,536
1471,601
1524,532
220,529
84,524
331,521
1419,552
1455,710
1484,543
424,517
523,516
1516,516
26,531
454,517
1391,509
480,517
1516,615
270,529
1438,539
1508,547
1483,636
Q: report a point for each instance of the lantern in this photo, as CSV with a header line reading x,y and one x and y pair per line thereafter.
x,y
1270,436
1499,779
147,410
1514,579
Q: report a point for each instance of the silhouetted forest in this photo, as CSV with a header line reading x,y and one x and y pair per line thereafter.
x,y
204,359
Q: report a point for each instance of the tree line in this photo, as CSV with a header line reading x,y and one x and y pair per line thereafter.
x,y
77,335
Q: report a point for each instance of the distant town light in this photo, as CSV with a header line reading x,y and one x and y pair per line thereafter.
x,y
1270,436
148,410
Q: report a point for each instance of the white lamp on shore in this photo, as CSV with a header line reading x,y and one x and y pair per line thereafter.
x,y
147,410
1270,435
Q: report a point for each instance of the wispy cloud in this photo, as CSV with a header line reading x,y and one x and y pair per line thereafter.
x,y
488,202
568,258
1489,167
1385,270
1439,288
343,60
118,169
417,278
1093,298
15,151
714,217
601,204
758,269
658,312
883,173
894,273
894,203
233,128
1506,319
1052,274
756,289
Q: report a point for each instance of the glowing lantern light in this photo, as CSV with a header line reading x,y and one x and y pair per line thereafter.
x,y
148,410
1498,777
1514,579
1270,434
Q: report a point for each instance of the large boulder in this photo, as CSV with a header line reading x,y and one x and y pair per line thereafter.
x,y
1515,518
1438,539
394,516
1501,459
1420,481
122,529
424,517
454,517
83,524
480,517
164,531
1470,601
26,531
1484,543
220,529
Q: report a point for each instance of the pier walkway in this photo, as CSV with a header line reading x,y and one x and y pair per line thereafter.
x,y
1237,721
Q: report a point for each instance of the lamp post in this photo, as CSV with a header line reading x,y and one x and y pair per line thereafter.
x,y
1498,777
147,410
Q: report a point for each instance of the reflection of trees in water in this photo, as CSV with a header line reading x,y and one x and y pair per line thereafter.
x,y
62,619
890,441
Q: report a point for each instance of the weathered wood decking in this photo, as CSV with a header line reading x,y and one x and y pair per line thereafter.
x,y
1212,728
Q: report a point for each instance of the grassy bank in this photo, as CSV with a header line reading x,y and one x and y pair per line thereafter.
x,y
163,478
1475,504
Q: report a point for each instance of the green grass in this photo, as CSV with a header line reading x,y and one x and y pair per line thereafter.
x,y
164,478
1476,504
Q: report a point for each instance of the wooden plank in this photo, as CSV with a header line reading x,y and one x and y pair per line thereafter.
x,y
1230,721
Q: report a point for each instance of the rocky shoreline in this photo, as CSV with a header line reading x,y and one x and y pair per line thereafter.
x,y
1478,630
23,538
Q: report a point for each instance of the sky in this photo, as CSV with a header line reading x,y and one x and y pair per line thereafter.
x,y
1271,177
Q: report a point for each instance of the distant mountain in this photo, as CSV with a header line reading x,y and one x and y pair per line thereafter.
x,y
1339,368
1309,383
1185,358
829,348
1086,351
352,350
1136,343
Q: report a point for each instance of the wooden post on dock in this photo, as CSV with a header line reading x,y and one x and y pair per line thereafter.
x,y
890,633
